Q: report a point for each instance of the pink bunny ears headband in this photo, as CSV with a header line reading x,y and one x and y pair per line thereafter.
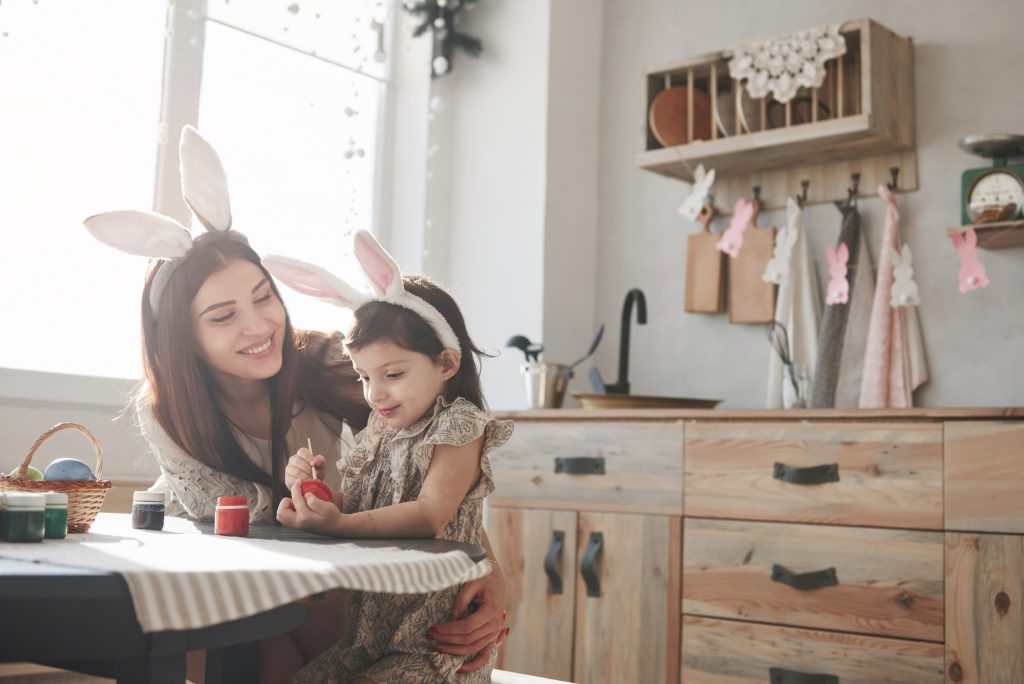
x,y
205,190
381,272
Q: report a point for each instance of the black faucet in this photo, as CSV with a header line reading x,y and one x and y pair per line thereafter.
x,y
634,296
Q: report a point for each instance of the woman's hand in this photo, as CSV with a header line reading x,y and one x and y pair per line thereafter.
x,y
304,465
307,512
478,631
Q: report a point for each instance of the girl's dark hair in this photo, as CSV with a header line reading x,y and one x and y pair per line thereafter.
x,y
403,327
184,395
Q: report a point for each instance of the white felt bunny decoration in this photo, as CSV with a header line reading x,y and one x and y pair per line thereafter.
x,y
777,269
382,273
838,285
698,193
204,187
904,289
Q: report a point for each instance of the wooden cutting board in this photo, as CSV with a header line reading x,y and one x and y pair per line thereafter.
x,y
751,300
704,264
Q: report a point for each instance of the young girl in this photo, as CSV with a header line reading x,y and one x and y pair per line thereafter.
x,y
419,468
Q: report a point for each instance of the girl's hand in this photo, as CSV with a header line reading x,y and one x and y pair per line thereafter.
x,y
479,631
304,465
307,512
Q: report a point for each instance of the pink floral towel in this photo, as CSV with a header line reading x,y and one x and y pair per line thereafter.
x,y
894,363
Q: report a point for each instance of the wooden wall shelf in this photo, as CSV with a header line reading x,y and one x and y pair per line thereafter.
x,y
860,120
1000,235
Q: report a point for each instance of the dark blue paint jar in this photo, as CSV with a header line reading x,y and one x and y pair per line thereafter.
x,y
148,510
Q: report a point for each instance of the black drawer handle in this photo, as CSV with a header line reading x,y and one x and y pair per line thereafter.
x,y
587,568
780,675
551,560
580,465
806,476
805,581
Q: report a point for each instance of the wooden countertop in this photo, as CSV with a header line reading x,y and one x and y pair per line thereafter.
x,y
918,414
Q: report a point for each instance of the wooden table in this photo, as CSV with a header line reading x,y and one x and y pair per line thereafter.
x,y
84,620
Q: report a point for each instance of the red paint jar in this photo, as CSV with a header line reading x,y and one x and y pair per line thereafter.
x,y
231,516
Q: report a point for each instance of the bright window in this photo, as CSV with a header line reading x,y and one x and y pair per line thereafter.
x,y
81,84
293,114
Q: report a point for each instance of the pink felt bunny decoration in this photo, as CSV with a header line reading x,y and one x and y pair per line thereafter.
x,y
838,286
732,238
972,272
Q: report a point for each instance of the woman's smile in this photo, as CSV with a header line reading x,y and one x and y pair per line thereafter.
x,y
260,349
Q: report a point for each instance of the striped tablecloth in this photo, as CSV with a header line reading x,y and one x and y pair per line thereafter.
x,y
180,578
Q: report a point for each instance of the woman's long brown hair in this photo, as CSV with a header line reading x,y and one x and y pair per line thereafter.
x,y
184,394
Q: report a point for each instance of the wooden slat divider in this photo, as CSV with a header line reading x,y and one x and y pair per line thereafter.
x,y
714,99
689,104
738,90
840,67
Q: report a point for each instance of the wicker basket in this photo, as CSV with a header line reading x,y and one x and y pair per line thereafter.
x,y
85,497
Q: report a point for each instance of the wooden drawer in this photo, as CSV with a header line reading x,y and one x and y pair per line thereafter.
x,y
985,477
889,474
885,582
642,461
726,652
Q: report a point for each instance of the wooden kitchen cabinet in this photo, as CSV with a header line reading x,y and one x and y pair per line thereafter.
x,y
984,608
542,615
604,501
984,571
985,476
716,527
620,624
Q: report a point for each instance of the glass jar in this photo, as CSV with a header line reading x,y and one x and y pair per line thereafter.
x,y
231,517
55,517
24,517
148,510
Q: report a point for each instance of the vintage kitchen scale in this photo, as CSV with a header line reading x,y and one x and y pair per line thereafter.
x,y
994,193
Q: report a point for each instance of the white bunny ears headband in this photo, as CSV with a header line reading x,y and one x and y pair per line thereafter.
x,y
205,190
381,272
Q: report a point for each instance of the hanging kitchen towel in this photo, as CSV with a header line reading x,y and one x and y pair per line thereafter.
x,y
833,322
894,363
862,294
797,304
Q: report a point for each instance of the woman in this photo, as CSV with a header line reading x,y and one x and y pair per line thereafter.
x,y
232,391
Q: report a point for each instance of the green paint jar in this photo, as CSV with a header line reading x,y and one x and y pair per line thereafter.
x,y
24,517
55,518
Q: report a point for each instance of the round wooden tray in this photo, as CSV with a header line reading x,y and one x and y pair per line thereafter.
x,y
621,401
667,116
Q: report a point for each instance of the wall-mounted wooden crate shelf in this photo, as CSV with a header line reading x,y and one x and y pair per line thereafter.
x,y
861,119
999,235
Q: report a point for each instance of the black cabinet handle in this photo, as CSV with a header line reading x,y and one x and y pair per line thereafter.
x,y
806,476
805,581
550,561
779,675
580,465
587,568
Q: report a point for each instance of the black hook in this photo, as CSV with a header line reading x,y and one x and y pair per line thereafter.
x,y
756,189
894,171
852,192
802,197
